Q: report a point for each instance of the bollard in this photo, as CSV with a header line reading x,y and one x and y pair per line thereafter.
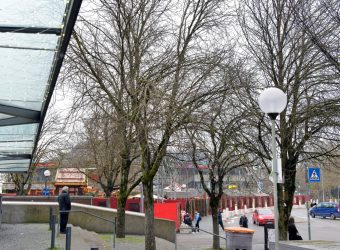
x,y
51,214
53,231
0,210
114,232
68,238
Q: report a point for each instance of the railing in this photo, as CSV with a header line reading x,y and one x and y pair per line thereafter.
x,y
195,228
68,229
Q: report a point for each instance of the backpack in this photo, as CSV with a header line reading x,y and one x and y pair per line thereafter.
x,y
199,218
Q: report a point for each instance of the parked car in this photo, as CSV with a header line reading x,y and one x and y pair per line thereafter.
x,y
326,209
262,216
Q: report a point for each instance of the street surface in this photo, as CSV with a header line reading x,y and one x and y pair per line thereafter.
x,y
321,229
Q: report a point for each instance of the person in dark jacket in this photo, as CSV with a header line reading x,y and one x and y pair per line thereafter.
x,y
244,221
187,220
292,231
64,206
219,218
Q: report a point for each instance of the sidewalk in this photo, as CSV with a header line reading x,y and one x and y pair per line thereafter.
x,y
203,241
38,237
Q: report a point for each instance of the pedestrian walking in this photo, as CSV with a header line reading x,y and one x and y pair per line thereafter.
x,y
197,221
64,206
219,218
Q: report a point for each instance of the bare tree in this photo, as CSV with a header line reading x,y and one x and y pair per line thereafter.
x,y
97,151
50,138
288,59
217,139
152,62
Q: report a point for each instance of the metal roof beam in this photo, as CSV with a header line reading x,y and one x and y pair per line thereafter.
x,y
16,121
20,112
6,171
30,30
16,157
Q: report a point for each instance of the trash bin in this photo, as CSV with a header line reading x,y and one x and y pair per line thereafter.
x,y
239,238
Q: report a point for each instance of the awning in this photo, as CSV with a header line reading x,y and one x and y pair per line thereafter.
x,y
34,35
70,177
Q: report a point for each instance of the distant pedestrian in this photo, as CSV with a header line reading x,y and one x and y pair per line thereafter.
x,y
188,221
244,221
292,230
197,221
64,206
219,218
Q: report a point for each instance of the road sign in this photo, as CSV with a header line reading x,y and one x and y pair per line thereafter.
x,y
46,191
314,174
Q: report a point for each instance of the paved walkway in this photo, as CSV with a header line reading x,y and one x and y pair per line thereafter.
x,y
38,237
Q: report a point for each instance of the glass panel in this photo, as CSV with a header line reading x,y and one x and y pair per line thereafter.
x,y
26,62
28,41
3,116
27,129
24,75
40,13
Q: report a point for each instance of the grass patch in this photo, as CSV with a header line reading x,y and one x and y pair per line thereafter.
x,y
127,239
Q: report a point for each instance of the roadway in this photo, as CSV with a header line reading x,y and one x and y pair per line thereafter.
x,y
321,229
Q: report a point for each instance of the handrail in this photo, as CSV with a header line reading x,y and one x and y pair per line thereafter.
x,y
94,215
194,228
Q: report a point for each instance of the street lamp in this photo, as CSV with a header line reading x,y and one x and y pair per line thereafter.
x,y
273,101
47,173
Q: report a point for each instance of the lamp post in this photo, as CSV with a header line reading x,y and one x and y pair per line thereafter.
x,y
47,173
273,101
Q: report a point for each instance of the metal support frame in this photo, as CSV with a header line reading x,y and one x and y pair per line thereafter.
x,y
21,115
30,30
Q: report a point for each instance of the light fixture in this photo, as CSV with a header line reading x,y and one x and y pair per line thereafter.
x,y
273,101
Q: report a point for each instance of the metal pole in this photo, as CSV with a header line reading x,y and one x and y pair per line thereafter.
x,y
68,238
51,214
307,204
0,210
175,240
114,233
323,190
187,185
53,231
275,175
58,227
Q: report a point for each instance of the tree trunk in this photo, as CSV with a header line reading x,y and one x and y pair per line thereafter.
x,y
286,197
122,197
121,216
150,241
214,206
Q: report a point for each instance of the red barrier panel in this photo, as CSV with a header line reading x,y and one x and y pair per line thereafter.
x,y
169,211
99,201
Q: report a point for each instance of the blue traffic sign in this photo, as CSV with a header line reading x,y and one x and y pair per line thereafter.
x,y
46,191
314,174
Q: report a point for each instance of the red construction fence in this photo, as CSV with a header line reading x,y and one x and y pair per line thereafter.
x,y
171,209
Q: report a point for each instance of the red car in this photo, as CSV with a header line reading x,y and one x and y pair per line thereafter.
x,y
262,216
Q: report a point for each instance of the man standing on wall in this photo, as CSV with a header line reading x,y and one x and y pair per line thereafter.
x,y
64,206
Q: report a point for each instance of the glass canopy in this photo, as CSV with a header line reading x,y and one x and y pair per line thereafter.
x,y
34,35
